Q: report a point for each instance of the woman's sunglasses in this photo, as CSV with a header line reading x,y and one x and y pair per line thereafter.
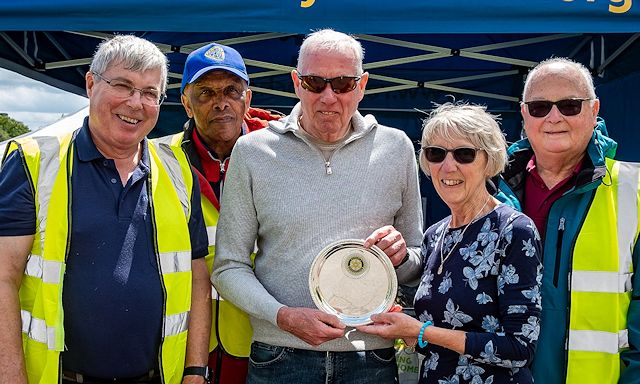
x,y
340,84
463,155
568,107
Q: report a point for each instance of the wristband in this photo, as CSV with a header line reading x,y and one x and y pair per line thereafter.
x,y
204,371
404,260
422,343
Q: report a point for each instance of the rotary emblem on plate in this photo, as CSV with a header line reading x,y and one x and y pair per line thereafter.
x,y
355,265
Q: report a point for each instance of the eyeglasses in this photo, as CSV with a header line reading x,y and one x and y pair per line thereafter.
x,y
568,107
463,155
340,84
122,89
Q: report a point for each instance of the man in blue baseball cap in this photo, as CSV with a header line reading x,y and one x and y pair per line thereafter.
x,y
216,96
211,57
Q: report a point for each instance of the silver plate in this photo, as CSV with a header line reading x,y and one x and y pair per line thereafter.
x,y
353,282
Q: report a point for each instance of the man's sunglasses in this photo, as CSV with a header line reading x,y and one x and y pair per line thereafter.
x,y
463,155
340,84
568,107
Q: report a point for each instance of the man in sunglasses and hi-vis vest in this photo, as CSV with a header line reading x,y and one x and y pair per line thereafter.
x,y
585,205
322,174
102,241
216,97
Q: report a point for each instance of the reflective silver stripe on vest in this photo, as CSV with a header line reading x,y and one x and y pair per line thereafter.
x,y
596,281
211,234
627,213
623,339
172,166
215,295
175,324
47,270
175,262
627,227
598,341
36,329
49,166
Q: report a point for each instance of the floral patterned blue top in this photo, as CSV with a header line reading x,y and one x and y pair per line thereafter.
x,y
490,288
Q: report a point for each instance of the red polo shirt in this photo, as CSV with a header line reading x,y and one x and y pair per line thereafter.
x,y
538,198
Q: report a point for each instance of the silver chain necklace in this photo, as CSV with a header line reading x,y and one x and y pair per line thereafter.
x,y
454,245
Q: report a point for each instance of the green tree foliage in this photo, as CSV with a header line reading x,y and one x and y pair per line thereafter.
x,y
11,128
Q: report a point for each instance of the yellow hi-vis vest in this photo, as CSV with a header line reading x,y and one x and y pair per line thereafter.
x,y
600,281
49,162
230,326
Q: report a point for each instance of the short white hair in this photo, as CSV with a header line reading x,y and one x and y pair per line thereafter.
x,y
133,53
328,40
581,72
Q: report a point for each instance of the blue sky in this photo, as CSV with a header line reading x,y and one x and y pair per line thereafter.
x,y
34,103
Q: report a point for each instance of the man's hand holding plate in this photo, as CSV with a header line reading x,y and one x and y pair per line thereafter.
x,y
390,241
310,325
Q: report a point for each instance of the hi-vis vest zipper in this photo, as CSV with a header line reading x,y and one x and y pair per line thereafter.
x,y
230,326
49,162
600,280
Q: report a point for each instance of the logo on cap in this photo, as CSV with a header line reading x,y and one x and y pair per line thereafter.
x,y
215,53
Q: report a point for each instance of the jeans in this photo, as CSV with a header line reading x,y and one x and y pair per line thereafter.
x,y
270,364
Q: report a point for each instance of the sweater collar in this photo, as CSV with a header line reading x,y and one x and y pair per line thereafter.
x,y
361,124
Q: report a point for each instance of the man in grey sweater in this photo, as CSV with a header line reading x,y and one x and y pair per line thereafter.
x,y
321,174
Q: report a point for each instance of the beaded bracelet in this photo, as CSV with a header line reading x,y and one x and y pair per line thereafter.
x,y
422,343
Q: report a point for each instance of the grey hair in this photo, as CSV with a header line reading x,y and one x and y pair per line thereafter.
x,y
328,40
577,68
451,121
133,53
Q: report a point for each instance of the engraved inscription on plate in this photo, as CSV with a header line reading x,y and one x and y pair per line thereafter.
x,y
352,282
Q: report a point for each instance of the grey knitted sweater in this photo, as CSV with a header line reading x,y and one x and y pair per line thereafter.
x,y
279,192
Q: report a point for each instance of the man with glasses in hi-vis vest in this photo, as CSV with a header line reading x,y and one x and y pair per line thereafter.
x,y
585,205
102,241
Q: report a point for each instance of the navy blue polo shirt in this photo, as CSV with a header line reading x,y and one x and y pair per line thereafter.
x,y
112,294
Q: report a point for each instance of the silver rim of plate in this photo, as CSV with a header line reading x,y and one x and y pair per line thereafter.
x,y
352,282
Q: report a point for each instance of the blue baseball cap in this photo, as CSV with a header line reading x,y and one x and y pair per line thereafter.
x,y
212,56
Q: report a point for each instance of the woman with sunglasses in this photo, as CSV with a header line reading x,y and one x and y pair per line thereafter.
x,y
478,302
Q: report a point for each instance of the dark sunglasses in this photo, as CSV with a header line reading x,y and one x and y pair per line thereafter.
x,y
463,155
568,107
340,84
